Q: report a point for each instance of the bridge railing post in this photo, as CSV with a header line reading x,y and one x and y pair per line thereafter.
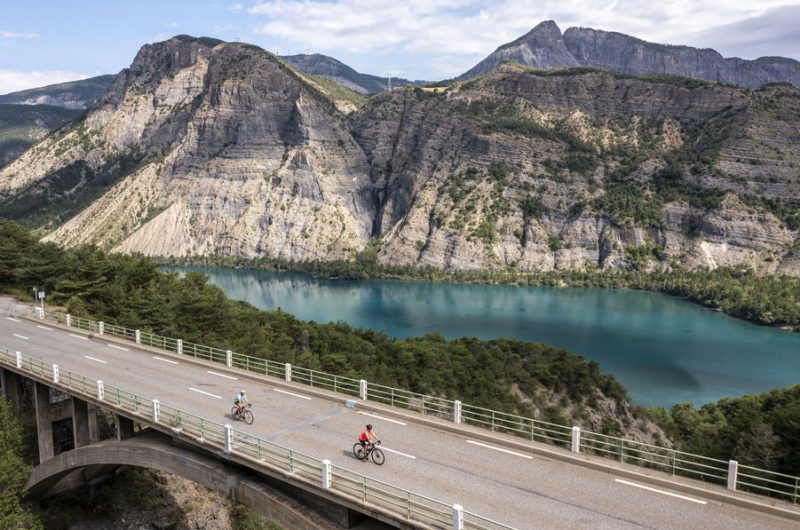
x,y
228,358
326,474
55,373
228,439
156,410
458,517
733,473
101,328
18,359
101,391
68,320
180,347
362,389
576,440
137,336
456,411
287,372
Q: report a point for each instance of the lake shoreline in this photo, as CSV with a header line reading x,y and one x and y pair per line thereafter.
x,y
663,349
614,279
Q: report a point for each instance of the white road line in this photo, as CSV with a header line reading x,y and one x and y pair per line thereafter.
x,y
222,375
529,457
382,418
97,360
164,360
23,337
78,336
291,393
204,392
44,327
659,491
117,347
398,453
12,319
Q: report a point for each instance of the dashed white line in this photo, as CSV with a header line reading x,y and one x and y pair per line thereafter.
x,y
398,453
204,392
222,375
164,360
698,501
12,319
95,359
117,347
78,336
291,394
529,457
382,418
44,327
23,337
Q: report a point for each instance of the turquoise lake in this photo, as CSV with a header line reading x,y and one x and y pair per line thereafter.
x,y
662,349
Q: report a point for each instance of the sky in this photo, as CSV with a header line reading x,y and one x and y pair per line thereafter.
x,y
50,41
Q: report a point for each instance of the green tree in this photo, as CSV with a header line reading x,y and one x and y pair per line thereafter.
x,y
13,473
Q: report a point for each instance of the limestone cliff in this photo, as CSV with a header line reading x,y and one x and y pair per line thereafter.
x,y
203,147
544,47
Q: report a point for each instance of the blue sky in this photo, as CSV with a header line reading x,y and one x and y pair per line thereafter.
x,y
43,42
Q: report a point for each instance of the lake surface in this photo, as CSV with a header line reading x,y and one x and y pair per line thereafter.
x,y
662,349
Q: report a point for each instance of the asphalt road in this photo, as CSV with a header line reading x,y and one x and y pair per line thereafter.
x,y
516,488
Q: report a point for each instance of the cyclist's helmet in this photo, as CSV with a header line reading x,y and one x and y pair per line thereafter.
x,y
369,426
243,392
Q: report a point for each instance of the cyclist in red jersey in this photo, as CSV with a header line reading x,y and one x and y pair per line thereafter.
x,y
367,438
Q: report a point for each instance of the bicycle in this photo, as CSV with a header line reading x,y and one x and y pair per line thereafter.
x,y
245,415
377,455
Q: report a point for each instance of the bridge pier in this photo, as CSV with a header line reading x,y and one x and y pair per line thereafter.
x,y
94,435
80,423
12,389
124,427
44,425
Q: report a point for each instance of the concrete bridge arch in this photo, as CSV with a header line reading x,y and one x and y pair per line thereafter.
x,y
158,451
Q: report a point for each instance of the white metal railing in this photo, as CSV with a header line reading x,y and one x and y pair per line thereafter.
x,y
395,501
669,460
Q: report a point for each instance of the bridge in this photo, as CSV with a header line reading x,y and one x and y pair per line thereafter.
x,y
448,465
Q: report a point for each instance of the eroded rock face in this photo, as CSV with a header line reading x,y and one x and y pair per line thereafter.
x,y
204,147
544,47
235,156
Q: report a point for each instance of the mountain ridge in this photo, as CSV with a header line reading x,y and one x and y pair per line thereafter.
x,y
73,95
545,47
228,150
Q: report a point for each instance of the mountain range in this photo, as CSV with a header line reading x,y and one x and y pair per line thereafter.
x,y
203,147
544,47
339,72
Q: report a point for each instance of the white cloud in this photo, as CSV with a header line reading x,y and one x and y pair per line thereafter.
x,y
14,80
446,37
236,7
172,25
17,35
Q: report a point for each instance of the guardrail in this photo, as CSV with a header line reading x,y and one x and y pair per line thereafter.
x,y
350,485
729,473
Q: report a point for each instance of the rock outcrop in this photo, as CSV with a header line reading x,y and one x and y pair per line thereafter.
x,y
203,147
544,48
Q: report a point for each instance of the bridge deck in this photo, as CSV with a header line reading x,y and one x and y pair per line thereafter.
x,y
522,489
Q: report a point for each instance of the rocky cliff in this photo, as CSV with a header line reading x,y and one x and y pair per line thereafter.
x,y
203,147
544,47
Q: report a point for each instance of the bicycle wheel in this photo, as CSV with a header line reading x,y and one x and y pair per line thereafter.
x,y
248,417
358,451
235,413
377,456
